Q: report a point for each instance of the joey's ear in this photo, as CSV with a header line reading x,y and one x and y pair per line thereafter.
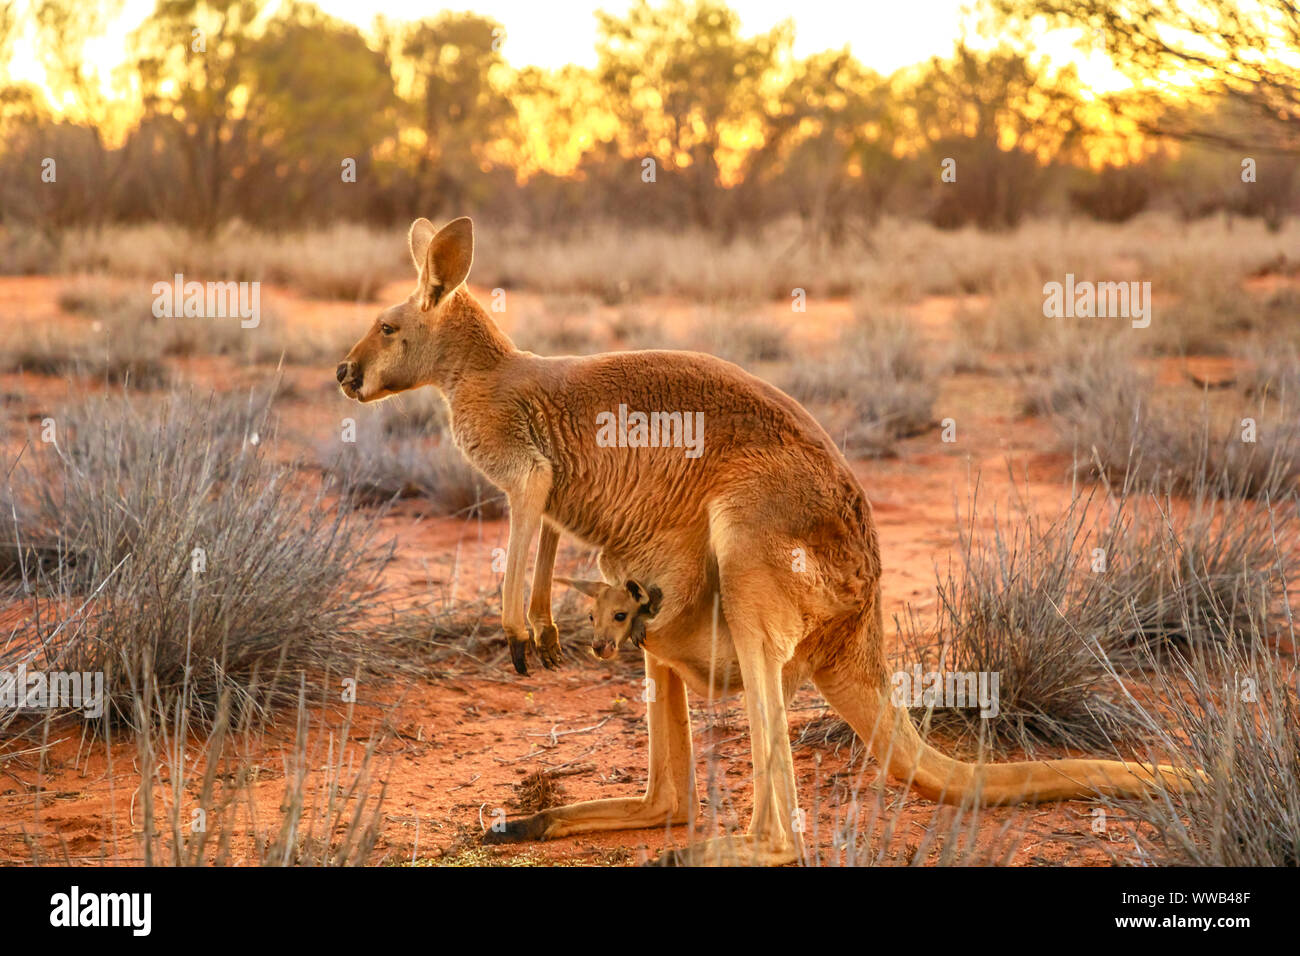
x,y
446,262
656,601
648,597
589,588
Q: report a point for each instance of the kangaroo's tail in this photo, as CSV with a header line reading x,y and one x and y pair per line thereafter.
x,y
857,690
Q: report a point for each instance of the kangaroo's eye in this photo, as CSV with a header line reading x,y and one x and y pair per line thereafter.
x,y
387,329
591,618
621,616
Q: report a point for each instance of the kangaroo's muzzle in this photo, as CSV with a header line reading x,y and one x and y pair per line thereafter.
x,y
349,376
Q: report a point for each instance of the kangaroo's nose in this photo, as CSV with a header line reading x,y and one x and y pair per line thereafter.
x,y
342,371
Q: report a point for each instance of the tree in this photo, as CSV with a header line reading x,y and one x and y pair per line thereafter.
x,y
194,82
830,145
1240,51
449,72
1002,118
258,112
79,138
689,92
317,94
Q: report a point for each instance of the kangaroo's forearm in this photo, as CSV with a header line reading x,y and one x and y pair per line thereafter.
x,y
527,501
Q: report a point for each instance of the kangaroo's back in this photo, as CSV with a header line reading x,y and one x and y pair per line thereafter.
x,y
679,429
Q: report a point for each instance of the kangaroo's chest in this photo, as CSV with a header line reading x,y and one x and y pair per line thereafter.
x,y
496,444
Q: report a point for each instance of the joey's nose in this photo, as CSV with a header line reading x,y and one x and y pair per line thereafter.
x,y
341,372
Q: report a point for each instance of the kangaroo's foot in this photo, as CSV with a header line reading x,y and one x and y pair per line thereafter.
x,y
519,830
546,639
545,642
729,851
619,813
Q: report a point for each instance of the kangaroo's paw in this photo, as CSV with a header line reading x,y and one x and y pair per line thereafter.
x,y
546,638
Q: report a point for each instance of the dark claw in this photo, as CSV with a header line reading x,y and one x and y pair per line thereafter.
x,y
519,655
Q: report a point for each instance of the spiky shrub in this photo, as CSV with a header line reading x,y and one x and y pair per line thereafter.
x,y
164,546
1110,416
551,334
122,321
100,355
1015,604
1083,370
90,294
1212,308
329,813
266,342
1272,371
1005,323
1178,570
342,261
738,332
1053,607
1230,709
420,411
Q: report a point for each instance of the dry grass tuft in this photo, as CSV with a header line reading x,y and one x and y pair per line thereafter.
x,y
408,453
164,546
539,791
1231,709
1110,415
872,388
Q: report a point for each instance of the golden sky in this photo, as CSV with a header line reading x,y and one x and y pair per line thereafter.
x,y
883,34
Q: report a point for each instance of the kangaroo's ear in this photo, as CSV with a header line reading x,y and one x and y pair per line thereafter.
x,y
648,597
446,261
589,588
420,236
656,601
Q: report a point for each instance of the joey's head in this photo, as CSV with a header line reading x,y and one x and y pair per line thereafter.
x,y
404,346
619,614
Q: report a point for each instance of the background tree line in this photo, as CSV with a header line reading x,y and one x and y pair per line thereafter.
x,y
230,112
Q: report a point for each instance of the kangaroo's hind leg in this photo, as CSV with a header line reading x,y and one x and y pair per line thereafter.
x,y
670,791
765,627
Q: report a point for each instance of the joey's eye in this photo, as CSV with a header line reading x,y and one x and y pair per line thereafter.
x,y
387,329
621,616
591,618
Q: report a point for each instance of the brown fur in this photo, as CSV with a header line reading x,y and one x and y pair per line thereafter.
x,y
717,534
